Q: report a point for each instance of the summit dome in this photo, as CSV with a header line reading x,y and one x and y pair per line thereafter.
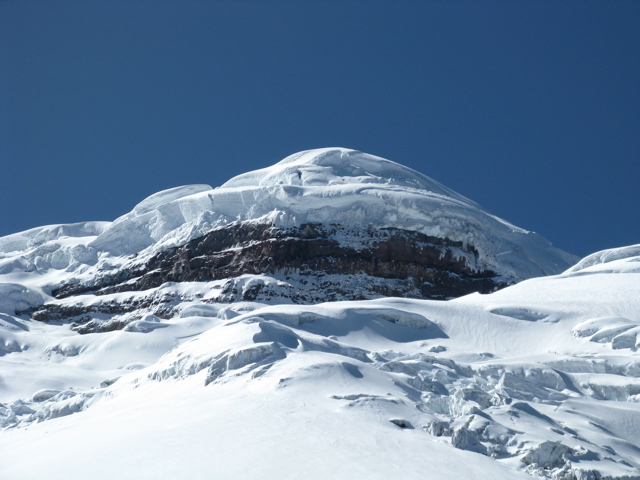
x,y
324,167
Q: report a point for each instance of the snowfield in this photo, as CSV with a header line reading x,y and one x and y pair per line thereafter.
x,y
538,380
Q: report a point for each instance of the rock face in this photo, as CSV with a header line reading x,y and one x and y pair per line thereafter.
x,y
422,266
312,263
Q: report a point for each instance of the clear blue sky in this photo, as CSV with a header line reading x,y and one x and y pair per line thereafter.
x,y
530,108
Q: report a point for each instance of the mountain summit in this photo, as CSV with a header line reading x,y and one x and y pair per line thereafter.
x,y
335,315
333,186
326,224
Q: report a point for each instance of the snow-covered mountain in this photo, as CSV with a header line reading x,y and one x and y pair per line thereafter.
x,y
284,325
329,224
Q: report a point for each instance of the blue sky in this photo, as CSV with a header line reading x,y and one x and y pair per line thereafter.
x,y
530,108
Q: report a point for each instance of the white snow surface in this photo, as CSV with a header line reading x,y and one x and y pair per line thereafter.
x,y
35,237
538,380
598,259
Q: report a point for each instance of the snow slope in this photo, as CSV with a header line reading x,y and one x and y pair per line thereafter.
x,y
538,380
541,378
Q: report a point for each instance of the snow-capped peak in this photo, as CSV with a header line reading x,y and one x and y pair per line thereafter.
x,y
325,167
336,186
212,354
331,186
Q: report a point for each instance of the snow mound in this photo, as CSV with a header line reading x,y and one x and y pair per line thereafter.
x,y
15,298
630,253
340,166
37,236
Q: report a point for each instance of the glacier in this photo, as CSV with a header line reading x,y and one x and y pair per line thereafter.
x,y
539,379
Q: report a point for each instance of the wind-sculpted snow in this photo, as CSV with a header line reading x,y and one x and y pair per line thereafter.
x,y
339,167
19,242
540,379
599,260
616,331
16,298
146,347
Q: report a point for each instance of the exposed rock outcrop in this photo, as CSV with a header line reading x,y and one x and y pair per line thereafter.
x,y
313,262
431,267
